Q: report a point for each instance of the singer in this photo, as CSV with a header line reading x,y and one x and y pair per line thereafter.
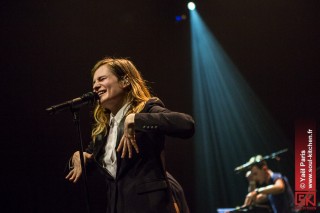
x,y
128,140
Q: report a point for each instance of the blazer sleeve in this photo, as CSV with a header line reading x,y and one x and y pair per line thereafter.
x,y
156,118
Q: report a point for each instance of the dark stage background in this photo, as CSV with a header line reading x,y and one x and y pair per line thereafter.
x,y
47,51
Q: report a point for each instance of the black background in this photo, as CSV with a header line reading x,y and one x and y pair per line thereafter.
x,y
48,48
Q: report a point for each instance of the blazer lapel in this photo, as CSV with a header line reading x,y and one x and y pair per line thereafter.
x,y
119,136
100,144
120,131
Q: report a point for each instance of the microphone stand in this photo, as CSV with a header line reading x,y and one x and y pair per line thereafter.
x,y
271,156
274,155
76,120
74,105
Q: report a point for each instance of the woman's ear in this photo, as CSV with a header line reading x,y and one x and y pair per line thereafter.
x,y
125,82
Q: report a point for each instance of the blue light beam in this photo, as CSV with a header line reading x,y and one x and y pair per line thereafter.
x,y
232,124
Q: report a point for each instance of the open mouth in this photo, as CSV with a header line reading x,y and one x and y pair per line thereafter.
x,y
101,92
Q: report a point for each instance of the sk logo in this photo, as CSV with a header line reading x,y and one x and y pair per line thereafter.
x,y
304,199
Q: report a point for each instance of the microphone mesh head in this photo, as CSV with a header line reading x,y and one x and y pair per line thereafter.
x,y
90,96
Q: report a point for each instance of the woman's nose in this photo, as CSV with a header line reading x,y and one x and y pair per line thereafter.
x,y
96,87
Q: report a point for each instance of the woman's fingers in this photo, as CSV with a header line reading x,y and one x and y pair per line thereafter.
x,y
69,175
76,178
120,144
126,144
74,175
134,144
129,147
124,150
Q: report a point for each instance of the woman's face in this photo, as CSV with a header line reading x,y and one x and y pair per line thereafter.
x,y
110,89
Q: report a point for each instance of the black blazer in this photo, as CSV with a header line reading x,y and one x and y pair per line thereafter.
x,y
141,185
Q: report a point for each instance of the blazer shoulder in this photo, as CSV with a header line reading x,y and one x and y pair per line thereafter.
x,y
152,102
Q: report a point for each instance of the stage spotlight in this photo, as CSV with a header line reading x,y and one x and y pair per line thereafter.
x,y
191,6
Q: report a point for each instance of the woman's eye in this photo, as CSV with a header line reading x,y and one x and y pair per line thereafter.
x,y
102,78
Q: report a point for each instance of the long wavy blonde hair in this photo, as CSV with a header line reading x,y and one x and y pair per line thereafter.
x,y
137,93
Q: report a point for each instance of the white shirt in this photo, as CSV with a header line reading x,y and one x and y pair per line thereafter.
x,y
109,158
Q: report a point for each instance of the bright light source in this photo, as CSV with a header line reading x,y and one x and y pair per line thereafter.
x,y
191,6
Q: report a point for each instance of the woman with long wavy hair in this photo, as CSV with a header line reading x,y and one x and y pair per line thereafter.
x,y
128,139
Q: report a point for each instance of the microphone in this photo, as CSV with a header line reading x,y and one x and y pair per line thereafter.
x,y
85,99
